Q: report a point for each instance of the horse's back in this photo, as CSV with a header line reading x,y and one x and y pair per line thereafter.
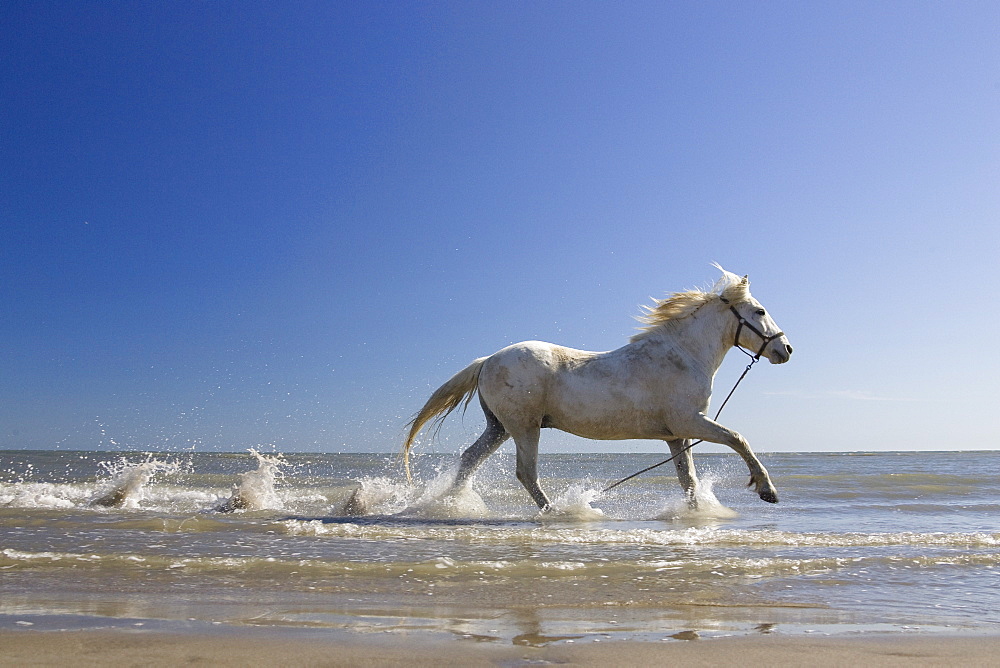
x,y
526,369
538,357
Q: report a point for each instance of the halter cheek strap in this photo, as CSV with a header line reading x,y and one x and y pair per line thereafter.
x,y
753,328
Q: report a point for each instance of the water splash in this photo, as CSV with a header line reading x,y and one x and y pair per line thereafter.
x,y
449,502
437,499
377,496
255,489
125,489
705,507
575,504
440,498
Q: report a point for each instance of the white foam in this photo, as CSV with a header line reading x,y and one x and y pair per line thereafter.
x,y
41,495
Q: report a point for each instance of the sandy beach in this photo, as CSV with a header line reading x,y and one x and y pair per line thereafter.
x,y
266,648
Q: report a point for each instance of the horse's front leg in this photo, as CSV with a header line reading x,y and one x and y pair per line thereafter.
x,y
709,430
684,463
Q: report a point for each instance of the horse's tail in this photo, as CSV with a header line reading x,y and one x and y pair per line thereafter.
x,y
461,387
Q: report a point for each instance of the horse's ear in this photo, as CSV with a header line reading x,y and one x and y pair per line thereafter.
x,y
746,280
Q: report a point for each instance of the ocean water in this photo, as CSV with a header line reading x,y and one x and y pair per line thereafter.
x,y
888,542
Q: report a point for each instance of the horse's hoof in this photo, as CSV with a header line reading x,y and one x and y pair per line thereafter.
x,y
770,497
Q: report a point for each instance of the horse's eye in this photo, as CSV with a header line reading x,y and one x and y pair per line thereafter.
x,y
761,311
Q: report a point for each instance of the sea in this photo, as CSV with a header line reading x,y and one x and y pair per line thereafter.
x,y
860,542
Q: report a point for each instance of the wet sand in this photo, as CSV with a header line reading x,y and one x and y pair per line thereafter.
x,y
268,648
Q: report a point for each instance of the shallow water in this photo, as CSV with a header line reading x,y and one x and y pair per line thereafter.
x,y
887,541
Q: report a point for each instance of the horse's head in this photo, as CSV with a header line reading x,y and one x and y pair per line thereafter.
x,y
756,330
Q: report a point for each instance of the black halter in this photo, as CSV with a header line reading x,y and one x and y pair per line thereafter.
x,y
749,325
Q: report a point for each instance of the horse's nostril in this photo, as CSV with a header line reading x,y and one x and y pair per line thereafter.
x,y
788,348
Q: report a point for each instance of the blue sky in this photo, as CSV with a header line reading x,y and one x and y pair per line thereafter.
x,y
282,225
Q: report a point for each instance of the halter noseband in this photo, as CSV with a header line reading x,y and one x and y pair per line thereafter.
x,y
749,325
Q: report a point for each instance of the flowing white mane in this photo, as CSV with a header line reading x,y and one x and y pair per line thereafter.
x,y
682,304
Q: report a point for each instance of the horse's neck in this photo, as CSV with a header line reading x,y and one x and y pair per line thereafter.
x,y
705,336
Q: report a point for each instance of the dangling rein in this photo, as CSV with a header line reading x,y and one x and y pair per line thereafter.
x,y
753,360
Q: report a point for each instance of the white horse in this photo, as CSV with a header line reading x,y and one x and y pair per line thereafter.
x,y
656,387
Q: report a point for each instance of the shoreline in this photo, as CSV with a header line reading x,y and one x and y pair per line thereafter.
x,y
289,647
862,574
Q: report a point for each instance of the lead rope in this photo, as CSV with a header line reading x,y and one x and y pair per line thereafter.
x,y
753,360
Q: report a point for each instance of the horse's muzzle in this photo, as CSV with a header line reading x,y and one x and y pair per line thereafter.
x,y
779,353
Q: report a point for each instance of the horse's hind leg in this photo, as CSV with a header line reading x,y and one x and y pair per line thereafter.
x,y
527,464
684,463
487,443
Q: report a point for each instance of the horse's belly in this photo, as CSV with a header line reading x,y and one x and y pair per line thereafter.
x,y
617,428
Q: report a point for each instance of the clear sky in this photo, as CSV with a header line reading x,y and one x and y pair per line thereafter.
x,y
282,224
